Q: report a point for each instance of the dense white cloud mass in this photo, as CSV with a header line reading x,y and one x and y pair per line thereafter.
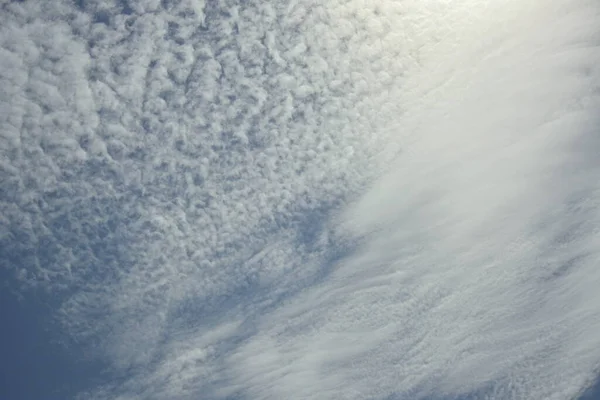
x,y
300,199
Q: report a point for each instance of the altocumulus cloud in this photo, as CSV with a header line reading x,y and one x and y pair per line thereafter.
x,y
301,199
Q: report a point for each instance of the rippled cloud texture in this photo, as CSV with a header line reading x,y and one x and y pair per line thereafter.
x,y
308,200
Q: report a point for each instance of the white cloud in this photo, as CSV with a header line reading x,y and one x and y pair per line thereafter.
x,y
351,200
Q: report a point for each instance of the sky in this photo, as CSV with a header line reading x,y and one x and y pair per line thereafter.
x,y
221,199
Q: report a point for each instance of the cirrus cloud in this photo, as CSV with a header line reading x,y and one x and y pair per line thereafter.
x,y
295,200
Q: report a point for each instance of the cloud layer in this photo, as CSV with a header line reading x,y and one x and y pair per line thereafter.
x,y
295,200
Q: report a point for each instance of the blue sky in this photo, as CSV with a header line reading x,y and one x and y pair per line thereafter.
x,y
300,200
34,363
